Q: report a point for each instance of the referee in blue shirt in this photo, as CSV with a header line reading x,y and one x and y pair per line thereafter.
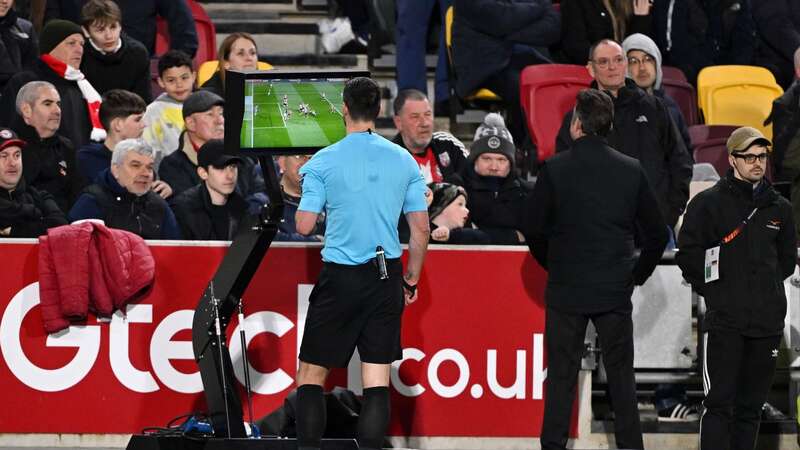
x,y
363,182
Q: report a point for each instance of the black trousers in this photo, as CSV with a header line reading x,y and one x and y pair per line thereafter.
x,y
737,376
564,336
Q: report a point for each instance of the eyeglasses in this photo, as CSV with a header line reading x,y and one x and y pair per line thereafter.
x,y
750,158
603,63
646,59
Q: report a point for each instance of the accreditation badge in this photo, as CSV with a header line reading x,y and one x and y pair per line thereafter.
x,y
711,270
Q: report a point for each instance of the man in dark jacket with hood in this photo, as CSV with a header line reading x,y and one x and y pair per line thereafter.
x,y
122,195
493,40
212,210
496,195
643,129
25,212
19,47
587,205
737,245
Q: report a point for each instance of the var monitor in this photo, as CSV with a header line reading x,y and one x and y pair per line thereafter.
x,y
284,113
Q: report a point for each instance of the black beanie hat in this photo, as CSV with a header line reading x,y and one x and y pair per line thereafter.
x,y
443,195
492,136
54,32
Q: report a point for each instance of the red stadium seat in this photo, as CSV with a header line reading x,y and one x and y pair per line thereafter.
x,y
704,133
206,35
547,92
715,152
673,73
684,95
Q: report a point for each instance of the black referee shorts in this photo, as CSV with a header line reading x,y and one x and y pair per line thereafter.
x,y
350,307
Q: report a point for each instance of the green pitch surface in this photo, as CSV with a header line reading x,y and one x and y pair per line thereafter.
x,y
271,123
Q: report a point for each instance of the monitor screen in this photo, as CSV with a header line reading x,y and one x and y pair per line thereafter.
x,y
279,113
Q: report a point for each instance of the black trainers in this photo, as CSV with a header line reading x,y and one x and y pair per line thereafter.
x,y
680,412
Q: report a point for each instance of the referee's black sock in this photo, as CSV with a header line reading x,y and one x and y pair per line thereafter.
x,y
374,418
310,416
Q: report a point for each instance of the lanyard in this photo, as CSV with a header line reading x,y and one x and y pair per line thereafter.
x,y
732,235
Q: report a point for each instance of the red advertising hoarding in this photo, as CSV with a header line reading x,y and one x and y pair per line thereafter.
x,y
473,361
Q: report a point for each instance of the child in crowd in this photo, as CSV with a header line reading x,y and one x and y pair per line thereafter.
x,y
121,114
164,117
449,215
112,59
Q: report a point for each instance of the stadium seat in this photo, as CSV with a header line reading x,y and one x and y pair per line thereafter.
x,y
684,95
672,73
206,35
547,92
715,152
208,68
737,95
704,133
483,96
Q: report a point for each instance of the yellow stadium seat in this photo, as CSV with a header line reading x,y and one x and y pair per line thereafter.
x,y
208,68
737,95
481,94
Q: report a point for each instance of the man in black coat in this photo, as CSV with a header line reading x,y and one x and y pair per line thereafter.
x,y
496,194
49,158
737,245
139,20
586,207
19,46
212,210
493,40
61,46
643,129
25,212
440,155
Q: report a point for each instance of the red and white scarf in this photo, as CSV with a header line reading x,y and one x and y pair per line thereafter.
x,y
91,96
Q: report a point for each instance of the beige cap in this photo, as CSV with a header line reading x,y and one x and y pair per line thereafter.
x,y
742,138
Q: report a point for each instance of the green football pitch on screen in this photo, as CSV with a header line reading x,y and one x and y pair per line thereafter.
x,y
285,114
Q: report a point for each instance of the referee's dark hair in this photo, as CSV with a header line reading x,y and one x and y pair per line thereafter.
x,y
595,109
362,96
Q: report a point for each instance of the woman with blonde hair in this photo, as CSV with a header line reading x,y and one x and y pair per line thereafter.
x,y
238,51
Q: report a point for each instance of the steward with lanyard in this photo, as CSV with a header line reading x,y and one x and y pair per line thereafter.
x,y
736,247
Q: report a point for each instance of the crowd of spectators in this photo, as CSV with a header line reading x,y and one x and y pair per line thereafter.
x,y
77,89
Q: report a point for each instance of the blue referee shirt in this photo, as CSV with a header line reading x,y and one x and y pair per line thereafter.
x,y
363,182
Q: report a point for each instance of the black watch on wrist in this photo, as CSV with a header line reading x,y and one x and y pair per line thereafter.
x,y
409,288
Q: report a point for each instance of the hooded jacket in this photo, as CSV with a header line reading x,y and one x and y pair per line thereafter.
x,y
643,43
644,130
146,215
28,211
749,296
128,68
49,165
194,212
89,267
19,47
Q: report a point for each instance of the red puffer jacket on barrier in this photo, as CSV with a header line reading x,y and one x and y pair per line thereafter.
x,y
89,267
